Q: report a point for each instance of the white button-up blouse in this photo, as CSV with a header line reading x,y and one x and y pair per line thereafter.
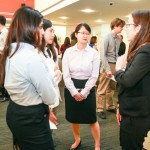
x,y
80,64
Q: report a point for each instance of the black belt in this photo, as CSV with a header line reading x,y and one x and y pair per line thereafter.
x,y
112,62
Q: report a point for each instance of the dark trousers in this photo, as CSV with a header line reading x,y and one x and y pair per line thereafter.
x,y
30,126
4,92
133,130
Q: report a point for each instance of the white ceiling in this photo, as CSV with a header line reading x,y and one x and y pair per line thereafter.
x,y
103,10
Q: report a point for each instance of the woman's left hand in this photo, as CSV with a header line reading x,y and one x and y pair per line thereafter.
x,y
53,118
58,75
118,116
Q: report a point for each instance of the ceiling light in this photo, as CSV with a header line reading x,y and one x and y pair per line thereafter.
x,y
135,0
127,16
88,10
64,17
99,21
58,6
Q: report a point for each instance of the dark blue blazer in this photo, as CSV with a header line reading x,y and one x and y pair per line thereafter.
x,y
134,93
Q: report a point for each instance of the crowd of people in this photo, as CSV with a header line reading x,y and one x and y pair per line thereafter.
x,y
30,75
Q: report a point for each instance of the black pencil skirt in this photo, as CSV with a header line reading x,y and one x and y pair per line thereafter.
x,y
80,112
30,126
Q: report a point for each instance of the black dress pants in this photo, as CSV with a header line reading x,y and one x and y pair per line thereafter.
x,y
133,130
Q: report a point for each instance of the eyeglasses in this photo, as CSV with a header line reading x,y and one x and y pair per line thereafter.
x,y
130,24
83,33
52,31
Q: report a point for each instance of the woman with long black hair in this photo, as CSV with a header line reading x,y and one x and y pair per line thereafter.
x,y
50,55
25,76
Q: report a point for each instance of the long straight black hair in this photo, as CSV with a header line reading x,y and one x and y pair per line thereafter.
x,y
24,27
50,47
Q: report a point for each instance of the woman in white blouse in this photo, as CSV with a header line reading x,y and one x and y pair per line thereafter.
x,y
80,72
50,55
27,81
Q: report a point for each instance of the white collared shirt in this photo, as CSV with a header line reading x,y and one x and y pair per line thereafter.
x,y
80,65
27,77
3,37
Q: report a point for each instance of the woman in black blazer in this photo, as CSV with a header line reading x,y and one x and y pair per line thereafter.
x,y
133,114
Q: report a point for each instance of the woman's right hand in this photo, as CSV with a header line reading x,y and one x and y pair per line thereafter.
x,y
121,62
108,74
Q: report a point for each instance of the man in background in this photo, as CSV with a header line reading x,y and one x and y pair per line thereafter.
x,y
109,53
3,35
122,47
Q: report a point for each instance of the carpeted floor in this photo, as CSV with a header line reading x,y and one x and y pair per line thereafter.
x,y
63,137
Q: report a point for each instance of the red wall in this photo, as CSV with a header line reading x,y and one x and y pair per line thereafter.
x,y
10,6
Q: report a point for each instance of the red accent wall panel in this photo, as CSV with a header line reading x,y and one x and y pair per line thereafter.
x,y
10,6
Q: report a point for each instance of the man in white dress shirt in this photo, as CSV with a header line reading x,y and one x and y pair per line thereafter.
x,y
3,35
3,32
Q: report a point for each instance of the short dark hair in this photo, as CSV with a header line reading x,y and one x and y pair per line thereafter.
x,y
2,20
93,40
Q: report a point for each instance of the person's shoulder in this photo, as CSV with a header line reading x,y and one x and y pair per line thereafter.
x,y
91,50
145,48
91,45
35,58
70,49
123,43
62,45
4,30
29,51
107,36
